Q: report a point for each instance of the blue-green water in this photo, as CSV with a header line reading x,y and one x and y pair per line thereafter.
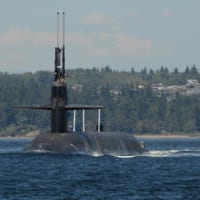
x,y
170,171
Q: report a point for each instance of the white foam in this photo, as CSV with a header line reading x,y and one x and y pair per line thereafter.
x,y
96,154
166,153
132,156
38,151
174,153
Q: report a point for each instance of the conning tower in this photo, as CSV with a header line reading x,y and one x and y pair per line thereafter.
x,y
59,97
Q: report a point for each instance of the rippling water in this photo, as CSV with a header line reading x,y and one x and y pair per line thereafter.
x,y
169,171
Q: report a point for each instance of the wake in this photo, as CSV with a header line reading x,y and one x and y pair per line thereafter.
x,y
167,153
195,152
175,153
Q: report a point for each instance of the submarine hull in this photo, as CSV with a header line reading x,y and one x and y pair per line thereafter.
x,y
89,143
60,140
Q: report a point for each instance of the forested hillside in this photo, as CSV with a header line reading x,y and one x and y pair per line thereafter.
x,y
129,107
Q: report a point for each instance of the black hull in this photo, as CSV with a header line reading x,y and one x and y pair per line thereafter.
x,y
89,143
59,140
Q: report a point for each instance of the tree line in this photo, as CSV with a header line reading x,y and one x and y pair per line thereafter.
x,y
128,107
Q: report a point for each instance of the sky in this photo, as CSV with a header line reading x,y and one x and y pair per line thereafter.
x,y
119,33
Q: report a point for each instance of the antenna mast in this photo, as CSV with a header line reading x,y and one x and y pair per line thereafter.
x,y
60,51
58,28
63,48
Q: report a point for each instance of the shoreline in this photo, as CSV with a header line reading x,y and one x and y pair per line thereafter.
x,y
166,136
138,136
16,137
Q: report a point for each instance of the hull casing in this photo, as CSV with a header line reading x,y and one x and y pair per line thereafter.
x,y
89,143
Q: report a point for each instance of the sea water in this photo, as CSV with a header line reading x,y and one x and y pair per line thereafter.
x,y
171,170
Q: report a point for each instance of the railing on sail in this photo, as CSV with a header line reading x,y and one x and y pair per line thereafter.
x,y
83,120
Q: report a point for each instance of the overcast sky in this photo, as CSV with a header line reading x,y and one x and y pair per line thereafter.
x,y
119,33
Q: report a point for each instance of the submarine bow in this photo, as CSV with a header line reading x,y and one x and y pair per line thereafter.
x,y
61,139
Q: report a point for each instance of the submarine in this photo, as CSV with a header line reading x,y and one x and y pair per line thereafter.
x,y
61,139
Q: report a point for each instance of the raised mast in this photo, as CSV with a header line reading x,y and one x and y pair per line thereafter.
x,y
63,48
58,28
60,51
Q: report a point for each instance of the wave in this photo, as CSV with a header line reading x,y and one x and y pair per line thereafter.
x,y
175,153
167,153
151,153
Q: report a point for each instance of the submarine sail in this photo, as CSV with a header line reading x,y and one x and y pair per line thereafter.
x,y
61,139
